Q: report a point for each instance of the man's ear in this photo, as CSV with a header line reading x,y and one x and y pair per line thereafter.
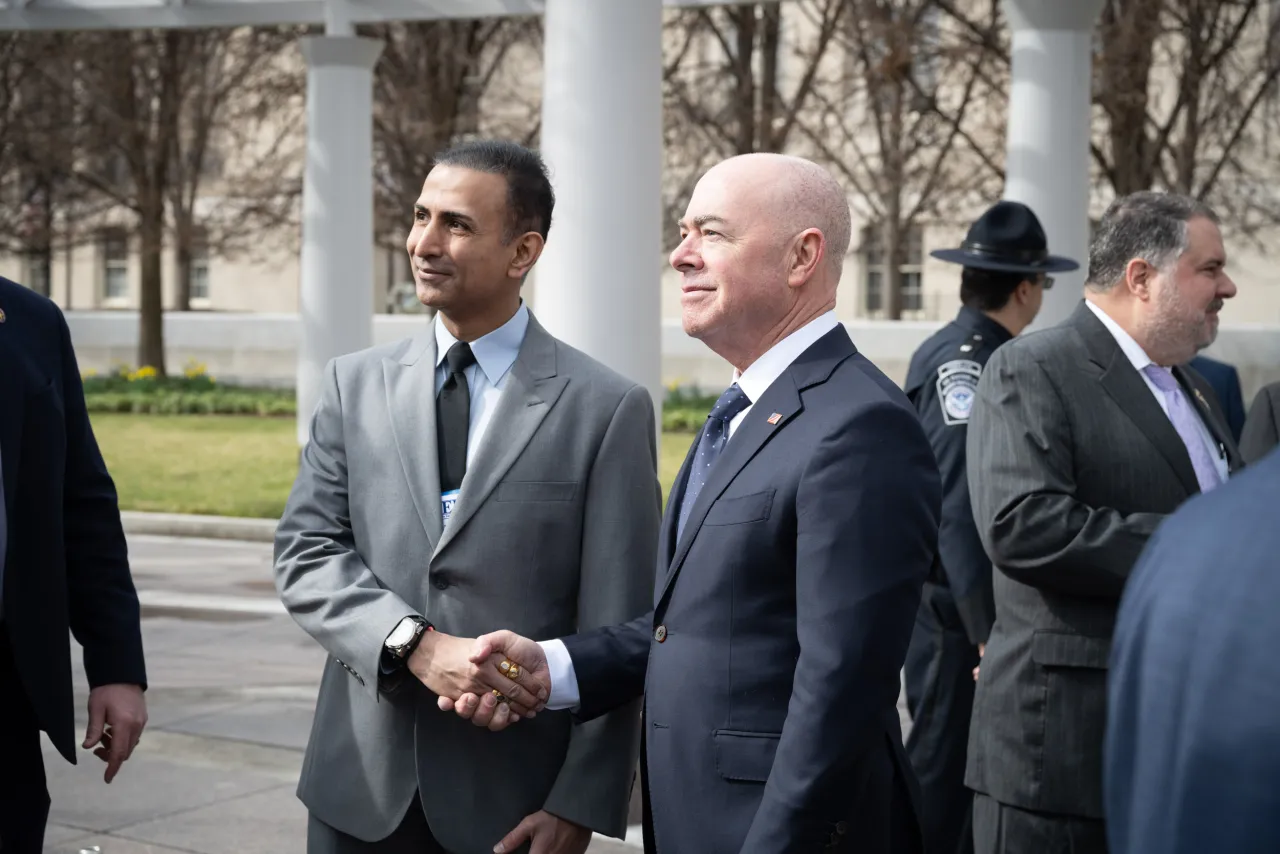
x,y
528,251
1139,278
807,252
1023,291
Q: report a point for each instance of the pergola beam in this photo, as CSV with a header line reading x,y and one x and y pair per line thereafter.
x,y
145,14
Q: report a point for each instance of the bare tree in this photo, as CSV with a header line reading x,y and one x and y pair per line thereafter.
x,y
241,108
738,79
897,123
1185,98
39,200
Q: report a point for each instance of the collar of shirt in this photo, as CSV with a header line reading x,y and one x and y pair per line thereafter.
x,y
496,352
976,321
757,378
1132,349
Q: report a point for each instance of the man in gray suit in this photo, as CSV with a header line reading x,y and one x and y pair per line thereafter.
x,y
1083,438
525,495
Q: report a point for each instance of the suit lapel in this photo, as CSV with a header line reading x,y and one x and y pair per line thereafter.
x,y
1130,392
531,390
411,404
782,399
670,521
1213,420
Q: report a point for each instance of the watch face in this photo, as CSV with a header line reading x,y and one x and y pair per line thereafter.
x,y
402,635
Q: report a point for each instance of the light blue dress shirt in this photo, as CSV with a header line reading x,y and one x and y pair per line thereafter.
x,y
495,354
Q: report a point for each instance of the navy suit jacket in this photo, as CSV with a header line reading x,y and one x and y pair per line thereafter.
x,y
770,663
1192,756
66,565
1226,385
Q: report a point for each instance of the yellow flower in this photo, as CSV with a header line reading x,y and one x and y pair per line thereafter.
x,y
91,372
146,372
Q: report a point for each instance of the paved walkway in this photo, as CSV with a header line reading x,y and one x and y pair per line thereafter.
x,y
233,685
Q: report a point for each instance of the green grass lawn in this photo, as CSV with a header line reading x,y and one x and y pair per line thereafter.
x,y
227,465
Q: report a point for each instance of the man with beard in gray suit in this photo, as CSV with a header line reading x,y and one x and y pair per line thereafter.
x,y
1083,438
480,475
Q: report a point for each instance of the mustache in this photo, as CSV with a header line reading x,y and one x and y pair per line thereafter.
x,y
1215,306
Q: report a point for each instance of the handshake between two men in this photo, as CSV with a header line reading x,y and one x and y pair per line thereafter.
x,y
492,681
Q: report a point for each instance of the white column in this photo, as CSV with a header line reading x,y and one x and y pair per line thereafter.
x,y
1047,166
597,284
336,300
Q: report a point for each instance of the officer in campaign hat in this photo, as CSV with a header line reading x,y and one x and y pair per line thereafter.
x,y
1007,268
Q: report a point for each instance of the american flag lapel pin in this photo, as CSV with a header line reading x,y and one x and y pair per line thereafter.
x,y
2,315
774,418
1200,397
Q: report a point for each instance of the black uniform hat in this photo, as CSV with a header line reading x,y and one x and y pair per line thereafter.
x,y
1007,238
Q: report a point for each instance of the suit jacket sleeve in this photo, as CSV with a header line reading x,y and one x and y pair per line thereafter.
x,y
1021,479
103,604
867,512
610,664
619,542
1262,428
964,560
323,581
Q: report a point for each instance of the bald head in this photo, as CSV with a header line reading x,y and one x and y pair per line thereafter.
x,y
793,194
762,243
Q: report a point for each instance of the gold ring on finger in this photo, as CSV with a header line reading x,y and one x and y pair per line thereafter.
x,y
514,673
505,666
501,697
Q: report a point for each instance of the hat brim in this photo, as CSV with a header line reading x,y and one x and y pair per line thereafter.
x,y
1051,263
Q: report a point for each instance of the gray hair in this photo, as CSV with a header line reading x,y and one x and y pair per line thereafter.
x,y
1147,225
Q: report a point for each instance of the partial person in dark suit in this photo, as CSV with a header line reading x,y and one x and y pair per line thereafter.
x,y
1225,381
1192,745
1006,272
1083,438
1262,428
63,566
795,542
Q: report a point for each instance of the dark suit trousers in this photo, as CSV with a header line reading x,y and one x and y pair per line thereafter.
x,y
24,796
413,836
939,682
1001,829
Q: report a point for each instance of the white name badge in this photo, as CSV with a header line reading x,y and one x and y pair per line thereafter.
x,y
447,500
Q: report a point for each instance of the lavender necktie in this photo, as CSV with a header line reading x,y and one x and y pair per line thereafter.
x,y
1184,421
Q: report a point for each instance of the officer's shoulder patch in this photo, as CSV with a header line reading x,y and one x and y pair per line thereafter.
x,y
957,385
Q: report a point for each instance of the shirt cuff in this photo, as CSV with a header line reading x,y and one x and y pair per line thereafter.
x,y
564,682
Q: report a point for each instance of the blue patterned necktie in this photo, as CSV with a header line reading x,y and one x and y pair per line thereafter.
x,y
1184,421
711,441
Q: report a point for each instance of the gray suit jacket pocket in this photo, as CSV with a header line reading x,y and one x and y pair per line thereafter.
x,y
535,491
745,755
740,510
1059,649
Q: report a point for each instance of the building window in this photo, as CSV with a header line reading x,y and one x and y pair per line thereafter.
x,y
911,268
200,269
115,264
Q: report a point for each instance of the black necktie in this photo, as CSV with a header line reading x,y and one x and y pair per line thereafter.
x,y
711,442
453,417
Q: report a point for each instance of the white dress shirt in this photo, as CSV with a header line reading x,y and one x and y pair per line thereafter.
x,y
754,381
495,354
1138,357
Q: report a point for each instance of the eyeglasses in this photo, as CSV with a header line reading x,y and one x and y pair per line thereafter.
x,y
1046,282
